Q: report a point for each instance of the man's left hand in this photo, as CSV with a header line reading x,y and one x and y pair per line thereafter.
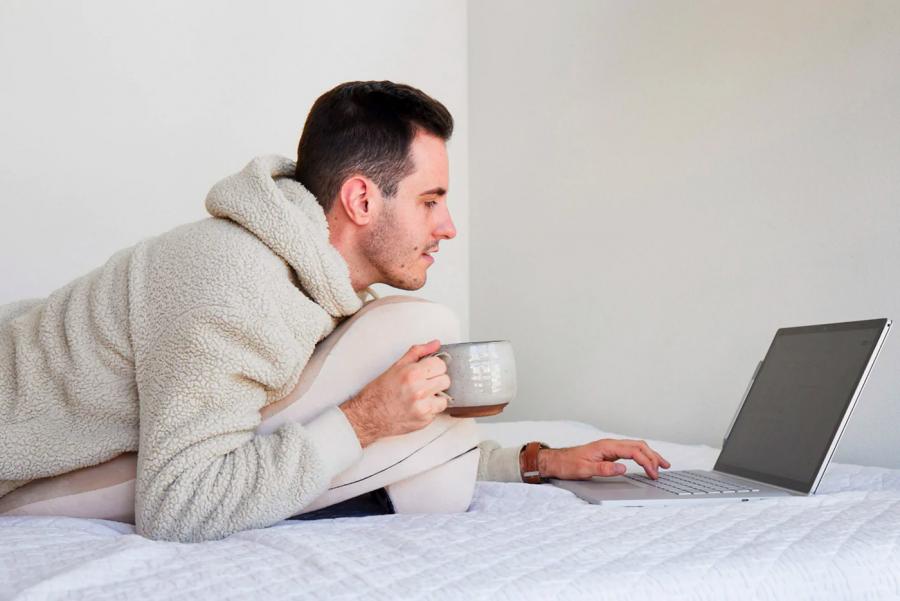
x,y
598,459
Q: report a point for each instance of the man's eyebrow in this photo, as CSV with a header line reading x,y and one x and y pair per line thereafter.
x,y
437,191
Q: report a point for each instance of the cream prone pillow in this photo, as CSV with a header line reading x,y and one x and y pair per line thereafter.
x,y
432,469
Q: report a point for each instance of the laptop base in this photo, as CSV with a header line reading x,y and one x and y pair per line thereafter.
x,y
622,491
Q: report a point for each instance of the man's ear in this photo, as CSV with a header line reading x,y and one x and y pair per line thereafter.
x,y
356,199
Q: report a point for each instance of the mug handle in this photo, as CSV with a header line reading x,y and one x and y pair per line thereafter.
x,y
445,356
445,395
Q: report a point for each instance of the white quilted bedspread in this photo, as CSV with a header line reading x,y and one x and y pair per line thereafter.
x,y
517,541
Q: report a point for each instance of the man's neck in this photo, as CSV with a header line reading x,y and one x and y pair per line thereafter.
x,y
345,243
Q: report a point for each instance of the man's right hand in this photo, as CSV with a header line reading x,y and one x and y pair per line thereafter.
x,y
402,399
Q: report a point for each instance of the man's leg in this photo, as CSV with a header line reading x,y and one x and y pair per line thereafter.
x,y
377,502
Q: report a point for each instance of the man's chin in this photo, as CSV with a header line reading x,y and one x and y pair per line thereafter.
x,y
414,283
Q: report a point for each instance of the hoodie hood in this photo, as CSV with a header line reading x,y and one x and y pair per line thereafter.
x,y
265,199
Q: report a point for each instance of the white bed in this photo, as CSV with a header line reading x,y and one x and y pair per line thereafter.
x,y
517,541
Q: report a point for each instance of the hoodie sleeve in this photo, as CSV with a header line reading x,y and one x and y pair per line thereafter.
x,y
203,473
499,464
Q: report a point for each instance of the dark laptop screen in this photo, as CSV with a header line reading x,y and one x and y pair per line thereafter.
x,y
797,402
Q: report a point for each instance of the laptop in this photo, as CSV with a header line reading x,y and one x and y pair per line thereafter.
x,y
784,432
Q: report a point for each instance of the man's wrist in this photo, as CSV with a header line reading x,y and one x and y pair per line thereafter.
x,y
545,463
365,434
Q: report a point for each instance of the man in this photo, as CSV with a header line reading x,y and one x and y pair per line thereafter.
x,y
174,345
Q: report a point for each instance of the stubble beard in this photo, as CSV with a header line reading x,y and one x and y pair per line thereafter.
x,y
381,247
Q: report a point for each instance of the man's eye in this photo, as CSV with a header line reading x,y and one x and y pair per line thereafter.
x,y
431,204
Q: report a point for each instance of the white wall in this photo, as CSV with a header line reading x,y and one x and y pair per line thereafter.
x,y
116,117
658,186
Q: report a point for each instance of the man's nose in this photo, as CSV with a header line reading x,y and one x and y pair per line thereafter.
x,y
447,229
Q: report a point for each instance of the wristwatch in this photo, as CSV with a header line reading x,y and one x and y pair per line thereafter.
x,y
531,474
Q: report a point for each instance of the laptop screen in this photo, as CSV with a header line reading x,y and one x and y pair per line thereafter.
x,y
797,402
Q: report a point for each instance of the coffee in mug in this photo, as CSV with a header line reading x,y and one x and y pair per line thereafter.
x,y
482,377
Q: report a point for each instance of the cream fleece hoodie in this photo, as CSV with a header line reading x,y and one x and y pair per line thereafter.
x,y
172,347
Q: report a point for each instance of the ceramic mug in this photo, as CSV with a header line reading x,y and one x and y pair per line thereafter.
x,y
482,377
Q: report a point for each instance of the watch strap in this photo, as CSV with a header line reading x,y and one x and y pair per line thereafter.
x,y
531,474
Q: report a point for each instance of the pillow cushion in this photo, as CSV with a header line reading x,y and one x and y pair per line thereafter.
x,y
429,470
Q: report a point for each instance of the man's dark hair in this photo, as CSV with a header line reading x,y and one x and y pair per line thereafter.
x,y
366,128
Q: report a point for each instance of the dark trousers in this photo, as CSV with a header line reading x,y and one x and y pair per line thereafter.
x,y
376,502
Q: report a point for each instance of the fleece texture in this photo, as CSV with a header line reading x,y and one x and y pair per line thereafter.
x,y
173,346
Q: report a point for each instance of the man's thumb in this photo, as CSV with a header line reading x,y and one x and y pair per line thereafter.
x,y
417,351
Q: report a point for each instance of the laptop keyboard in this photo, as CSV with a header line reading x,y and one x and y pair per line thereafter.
x,y
693,483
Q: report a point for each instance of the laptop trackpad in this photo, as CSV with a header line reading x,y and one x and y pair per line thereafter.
x,y
604,485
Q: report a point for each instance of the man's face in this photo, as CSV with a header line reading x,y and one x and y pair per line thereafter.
x,y
414,221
